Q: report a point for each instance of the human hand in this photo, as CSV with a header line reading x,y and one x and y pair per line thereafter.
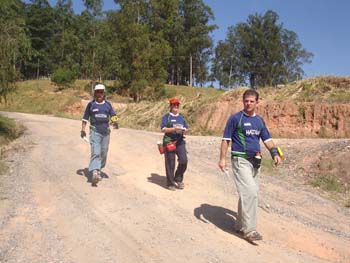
x,y
82,134
178,129
277,159
222,165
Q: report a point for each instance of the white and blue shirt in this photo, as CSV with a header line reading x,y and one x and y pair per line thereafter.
x,y
245,132
99,115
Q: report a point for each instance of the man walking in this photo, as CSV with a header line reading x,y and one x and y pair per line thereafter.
x,y
100,113
244,130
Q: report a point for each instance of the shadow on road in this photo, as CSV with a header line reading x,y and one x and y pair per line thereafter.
x,y
157,179
222,218
85,172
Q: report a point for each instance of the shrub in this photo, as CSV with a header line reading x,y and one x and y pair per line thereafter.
x,y
63,78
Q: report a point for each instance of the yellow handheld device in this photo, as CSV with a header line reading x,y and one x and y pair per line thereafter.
x,y
114,119
280,153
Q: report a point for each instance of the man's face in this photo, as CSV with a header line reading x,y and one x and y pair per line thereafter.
x,y
99,94
249,103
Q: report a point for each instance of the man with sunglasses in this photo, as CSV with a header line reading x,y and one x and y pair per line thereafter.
x,y
174,127
100,113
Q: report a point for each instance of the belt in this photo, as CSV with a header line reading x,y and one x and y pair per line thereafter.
x,y
242,155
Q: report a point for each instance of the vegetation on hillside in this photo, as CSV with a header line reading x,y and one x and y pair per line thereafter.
x,y
328,89
142,45
42,97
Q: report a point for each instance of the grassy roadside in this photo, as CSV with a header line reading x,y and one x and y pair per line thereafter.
x,y
40,97
9,131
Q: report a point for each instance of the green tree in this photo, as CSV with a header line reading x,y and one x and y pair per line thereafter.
x,y
108,48
263,52
197,42
14,45
40,26
94,10
65,41
294,56
142,51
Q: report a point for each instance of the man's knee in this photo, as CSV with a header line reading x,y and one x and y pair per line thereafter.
x,y
251,193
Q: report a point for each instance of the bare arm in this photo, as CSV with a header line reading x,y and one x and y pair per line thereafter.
x,y
223,151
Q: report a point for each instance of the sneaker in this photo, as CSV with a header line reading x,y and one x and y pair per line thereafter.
x,y
171,188
94,178
99,177
253,236
180,185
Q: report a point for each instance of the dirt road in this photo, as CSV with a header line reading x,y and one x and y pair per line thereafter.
x,y
50,213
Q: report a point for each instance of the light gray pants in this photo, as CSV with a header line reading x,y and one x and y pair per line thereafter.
x,y
247,184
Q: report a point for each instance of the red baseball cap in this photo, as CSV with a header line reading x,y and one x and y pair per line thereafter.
x,y
174,101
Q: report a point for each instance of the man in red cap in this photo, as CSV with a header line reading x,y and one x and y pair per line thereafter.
x,y
174,127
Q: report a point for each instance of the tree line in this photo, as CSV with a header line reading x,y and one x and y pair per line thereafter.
x,y
143,44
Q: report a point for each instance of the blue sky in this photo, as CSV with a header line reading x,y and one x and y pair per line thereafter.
x,y
323,26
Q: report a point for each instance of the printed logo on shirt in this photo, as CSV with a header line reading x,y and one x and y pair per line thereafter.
x,y
94,110
173,120
247,124
252,132
101,115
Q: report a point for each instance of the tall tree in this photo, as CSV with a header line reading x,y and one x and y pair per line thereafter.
x,y
40,24
65,38
108,49
198,42
142,52
14,45
294,56
263,52
94,9
166,27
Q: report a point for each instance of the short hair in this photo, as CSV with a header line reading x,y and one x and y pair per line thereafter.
x,y
251,92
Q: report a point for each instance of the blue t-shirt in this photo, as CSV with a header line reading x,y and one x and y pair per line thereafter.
x,y
99,115
169,120
245,132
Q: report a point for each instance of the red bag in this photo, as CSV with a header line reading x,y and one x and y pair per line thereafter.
x,y
171,146
161,149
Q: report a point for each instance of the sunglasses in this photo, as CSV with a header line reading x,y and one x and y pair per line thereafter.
x,y
175,105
